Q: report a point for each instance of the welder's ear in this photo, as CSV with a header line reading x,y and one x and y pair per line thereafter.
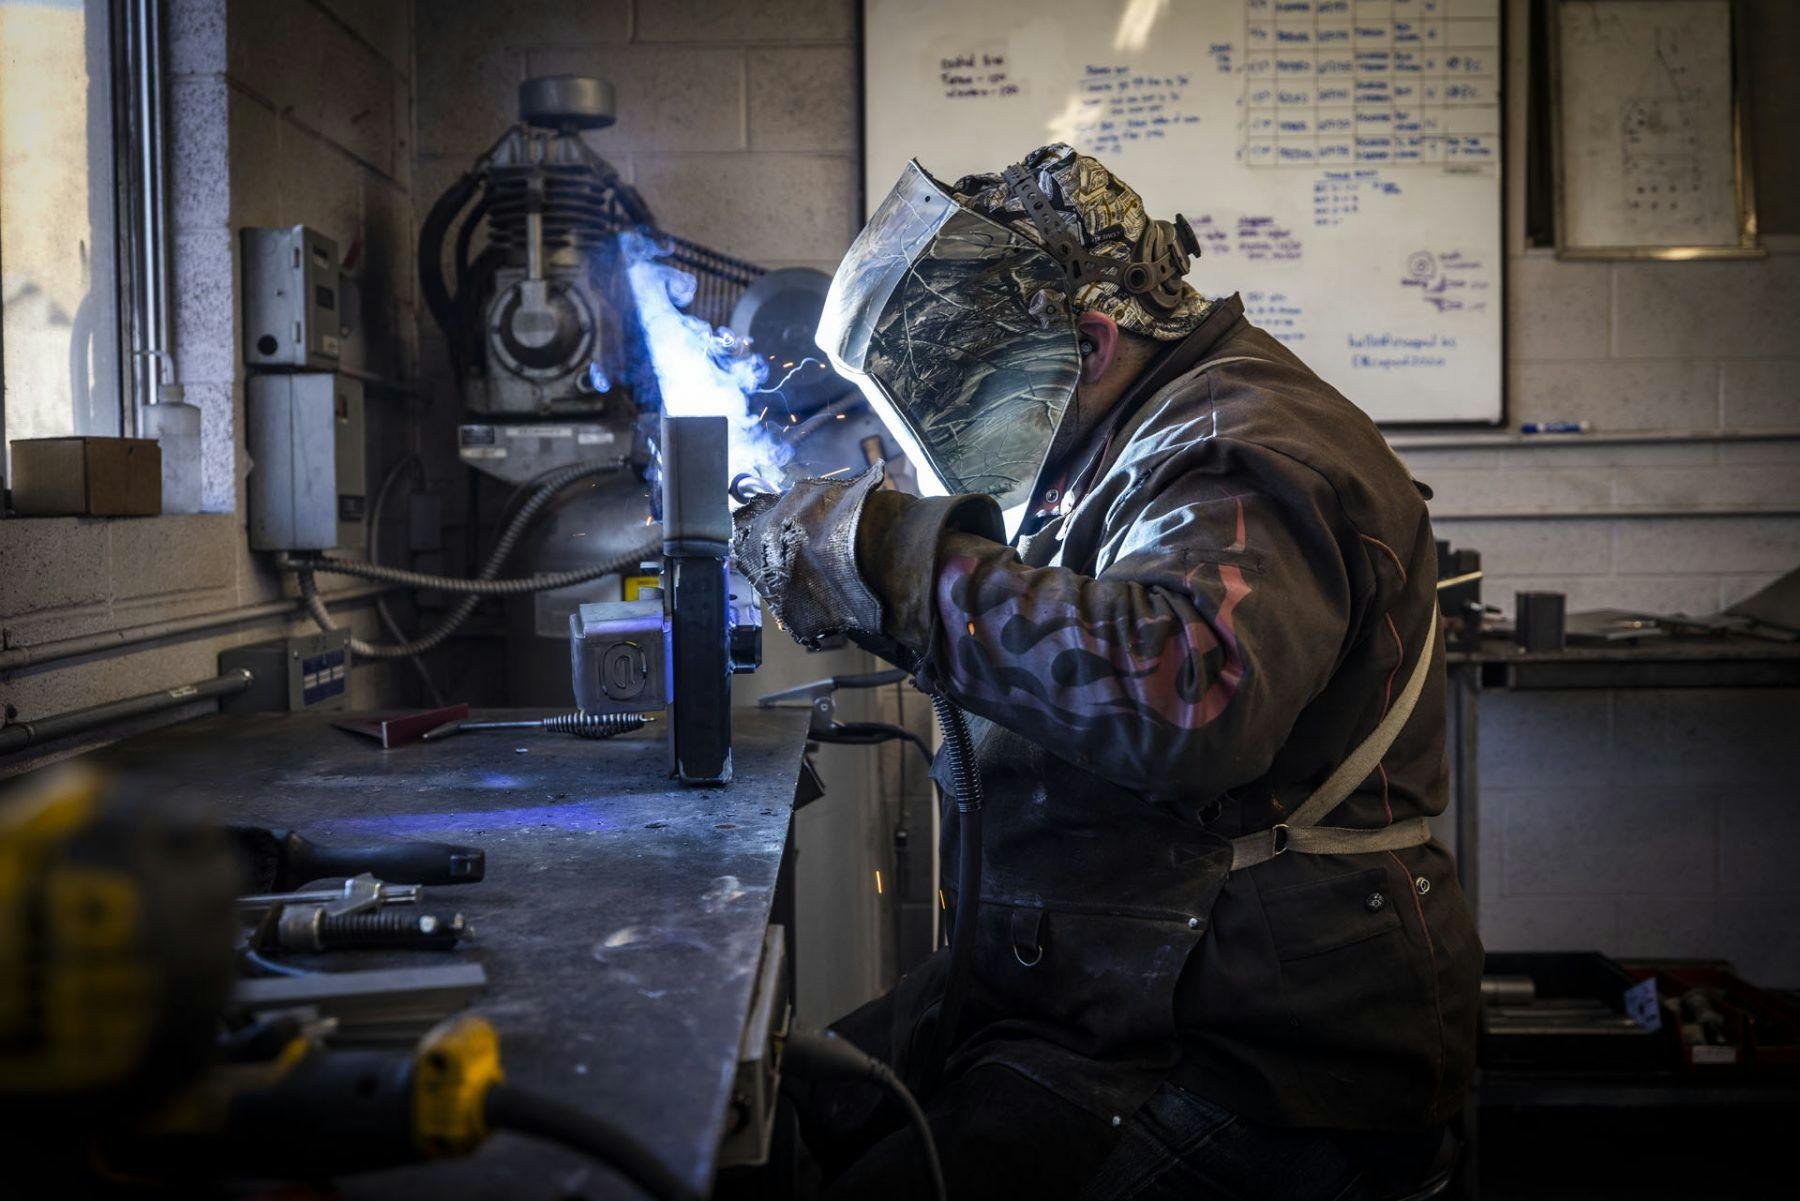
x,y
1099,336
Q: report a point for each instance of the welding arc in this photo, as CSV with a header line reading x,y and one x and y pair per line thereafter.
x,y
484,583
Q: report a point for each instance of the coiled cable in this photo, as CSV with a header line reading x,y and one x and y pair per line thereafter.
x,y
965,785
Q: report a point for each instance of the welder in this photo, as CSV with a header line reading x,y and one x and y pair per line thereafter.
x,y
1186,593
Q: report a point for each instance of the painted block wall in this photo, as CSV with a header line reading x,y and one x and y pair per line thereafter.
x,y
280,113
1663,822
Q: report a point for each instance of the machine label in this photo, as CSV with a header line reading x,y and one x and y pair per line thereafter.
x,y
593,437
484,452
539,431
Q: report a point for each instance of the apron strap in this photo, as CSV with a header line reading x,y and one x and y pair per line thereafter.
x,y
1264,845
1302,832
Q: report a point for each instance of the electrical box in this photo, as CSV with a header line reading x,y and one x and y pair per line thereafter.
x,y
293,304
309,672
308,484
619,652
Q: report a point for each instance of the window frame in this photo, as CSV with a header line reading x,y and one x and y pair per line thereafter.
x,y
138,126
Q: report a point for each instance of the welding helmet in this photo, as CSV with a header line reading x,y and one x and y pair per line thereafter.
x,y
954,311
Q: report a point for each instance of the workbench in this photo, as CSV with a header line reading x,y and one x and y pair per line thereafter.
x,y
1664,662
621,923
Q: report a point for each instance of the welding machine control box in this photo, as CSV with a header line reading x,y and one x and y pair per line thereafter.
x,y
293,310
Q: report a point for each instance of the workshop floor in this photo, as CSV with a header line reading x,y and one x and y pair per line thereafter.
x,y
1640,1155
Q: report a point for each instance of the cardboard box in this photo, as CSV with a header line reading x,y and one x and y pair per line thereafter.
x,y
87,477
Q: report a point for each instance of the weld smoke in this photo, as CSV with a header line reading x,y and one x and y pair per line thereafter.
x,y
700,371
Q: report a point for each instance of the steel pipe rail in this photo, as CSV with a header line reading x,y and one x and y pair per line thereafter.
x,y
16,736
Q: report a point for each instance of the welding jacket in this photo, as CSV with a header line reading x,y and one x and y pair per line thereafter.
x,y
1229,595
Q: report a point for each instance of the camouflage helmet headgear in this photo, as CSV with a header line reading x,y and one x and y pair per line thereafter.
x,y
1090,219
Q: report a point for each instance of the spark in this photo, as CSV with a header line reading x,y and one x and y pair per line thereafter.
x,y
877,881
797,368
829,474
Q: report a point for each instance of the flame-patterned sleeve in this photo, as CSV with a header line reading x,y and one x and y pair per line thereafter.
x,y
1219,613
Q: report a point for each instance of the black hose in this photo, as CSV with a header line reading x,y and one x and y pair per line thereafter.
x,y
432,233
822,1056
870,679
372,552
509,1107
825,416
870,733
965,786
465,238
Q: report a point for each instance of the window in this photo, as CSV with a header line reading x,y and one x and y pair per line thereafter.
x,y
71,197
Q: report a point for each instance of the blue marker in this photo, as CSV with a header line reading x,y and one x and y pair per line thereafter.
x,y
1555,427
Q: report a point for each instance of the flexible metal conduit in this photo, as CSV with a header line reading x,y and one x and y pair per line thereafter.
x,y
19,735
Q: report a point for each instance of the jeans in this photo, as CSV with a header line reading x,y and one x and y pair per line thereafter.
x,y
1179,1146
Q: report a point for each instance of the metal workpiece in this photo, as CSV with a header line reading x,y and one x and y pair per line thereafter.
x,y
620,657
621,925
695,452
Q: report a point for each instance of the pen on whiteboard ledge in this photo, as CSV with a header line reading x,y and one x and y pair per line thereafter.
x,y
1555,427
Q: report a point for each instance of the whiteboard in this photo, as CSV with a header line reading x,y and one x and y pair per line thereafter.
x,y
1648,153
1340,159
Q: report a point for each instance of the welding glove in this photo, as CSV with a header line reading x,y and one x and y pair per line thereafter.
x,y
798,550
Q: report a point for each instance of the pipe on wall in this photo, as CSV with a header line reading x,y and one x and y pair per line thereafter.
x,y
17,658
16,736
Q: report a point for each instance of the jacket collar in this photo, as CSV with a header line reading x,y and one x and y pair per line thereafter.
x,y
1057,493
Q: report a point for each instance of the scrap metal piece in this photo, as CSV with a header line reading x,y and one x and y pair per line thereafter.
x,y
401,728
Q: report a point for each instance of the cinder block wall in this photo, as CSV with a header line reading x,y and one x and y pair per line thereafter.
x,y
1637,822
281,111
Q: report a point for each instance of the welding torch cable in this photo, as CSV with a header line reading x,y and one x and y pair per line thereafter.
x,y
965,785
508,1107
824,417
822,1056
545,491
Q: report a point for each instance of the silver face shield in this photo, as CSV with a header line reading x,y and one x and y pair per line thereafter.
x,y
960,334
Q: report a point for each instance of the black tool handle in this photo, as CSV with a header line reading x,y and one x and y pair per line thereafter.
x,y
394,862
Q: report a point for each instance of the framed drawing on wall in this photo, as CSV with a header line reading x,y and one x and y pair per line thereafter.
x,y
1649,129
